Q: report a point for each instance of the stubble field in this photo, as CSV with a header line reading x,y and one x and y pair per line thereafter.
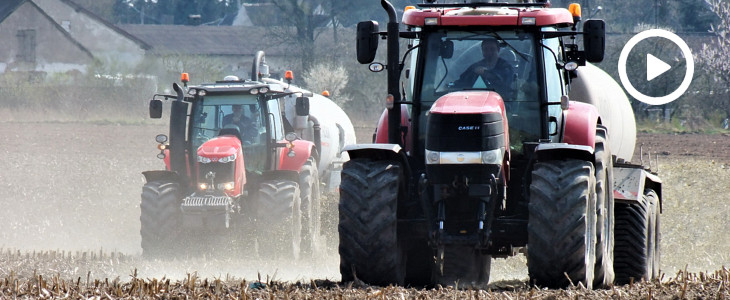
x,y
70,226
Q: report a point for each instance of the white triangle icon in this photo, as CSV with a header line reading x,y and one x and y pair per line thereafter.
x,y
655,67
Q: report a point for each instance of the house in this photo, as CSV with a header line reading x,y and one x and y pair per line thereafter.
x,y
233,47
58,36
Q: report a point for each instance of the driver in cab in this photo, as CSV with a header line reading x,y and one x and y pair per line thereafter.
x,y
244,124
496,73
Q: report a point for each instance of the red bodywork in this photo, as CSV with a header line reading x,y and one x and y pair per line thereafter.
x,y
224,146
302,152
476,102
543,17
381,134
580,124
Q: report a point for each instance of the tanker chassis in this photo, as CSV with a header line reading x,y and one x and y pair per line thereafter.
x,y
534,163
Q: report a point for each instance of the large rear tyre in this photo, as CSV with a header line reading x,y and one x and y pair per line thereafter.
x,y
636,239
604,274
160,216
311,208
369,246
462,267
562,224
279,219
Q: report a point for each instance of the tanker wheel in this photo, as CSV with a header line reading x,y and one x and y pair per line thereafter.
x,y
561,228
311,208
160,216
462,267
636,238
369,247
279,219
604,274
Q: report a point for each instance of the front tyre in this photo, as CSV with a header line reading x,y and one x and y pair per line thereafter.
x,y
311,208
604,274
369,247
562,224
279,219
159,218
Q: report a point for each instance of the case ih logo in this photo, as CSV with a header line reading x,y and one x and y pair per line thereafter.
x,y
465,128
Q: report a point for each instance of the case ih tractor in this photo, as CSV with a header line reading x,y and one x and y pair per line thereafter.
x,y
530,155
232,174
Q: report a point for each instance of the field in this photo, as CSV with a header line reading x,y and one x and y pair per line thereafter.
x,y
70,226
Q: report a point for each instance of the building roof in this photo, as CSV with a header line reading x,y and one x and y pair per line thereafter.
x,y
7,7
204,40
87,12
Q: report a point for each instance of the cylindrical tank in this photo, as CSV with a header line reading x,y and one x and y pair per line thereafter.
x,y
596,87
336,129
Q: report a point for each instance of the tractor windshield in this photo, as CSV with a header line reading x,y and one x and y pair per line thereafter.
x,y
502,61
216,115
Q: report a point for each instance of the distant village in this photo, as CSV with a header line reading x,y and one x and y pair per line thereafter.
x,y
45,37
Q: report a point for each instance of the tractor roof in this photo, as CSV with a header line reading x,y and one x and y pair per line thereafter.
x,y
235,87
487,16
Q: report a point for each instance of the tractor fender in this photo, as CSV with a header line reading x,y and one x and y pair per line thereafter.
x,y
552,151
161,175
280,174
380,152
303,149
579,124
381,132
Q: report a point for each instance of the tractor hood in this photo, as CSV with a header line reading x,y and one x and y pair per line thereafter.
x,y
220,147
469,102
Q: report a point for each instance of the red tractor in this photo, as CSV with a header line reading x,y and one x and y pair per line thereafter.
x,y
231,171
507,159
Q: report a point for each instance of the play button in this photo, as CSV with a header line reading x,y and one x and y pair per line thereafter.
x,y
655,67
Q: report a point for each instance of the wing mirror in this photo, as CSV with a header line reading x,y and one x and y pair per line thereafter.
x,y
155,108
367,41
594,40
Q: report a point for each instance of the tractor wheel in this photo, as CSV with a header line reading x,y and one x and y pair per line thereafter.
x,y
636,238
279,219
311,208
604,274
562,224
369,247
462,267
160,216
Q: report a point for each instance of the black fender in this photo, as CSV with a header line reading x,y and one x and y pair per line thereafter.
x,y
162,175
280,174
553,151
380,152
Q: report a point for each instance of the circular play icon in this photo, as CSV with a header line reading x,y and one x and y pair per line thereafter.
x,y
655,67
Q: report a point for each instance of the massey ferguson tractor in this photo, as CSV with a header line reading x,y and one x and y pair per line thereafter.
x,y
529,156
245,161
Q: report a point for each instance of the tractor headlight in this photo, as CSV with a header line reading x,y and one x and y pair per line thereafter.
x,y
263,90
228,159
492,157
432,157
203,186
203,159
228,186
254,91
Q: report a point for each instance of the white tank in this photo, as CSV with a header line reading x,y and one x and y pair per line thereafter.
x,y
596,87
336,130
